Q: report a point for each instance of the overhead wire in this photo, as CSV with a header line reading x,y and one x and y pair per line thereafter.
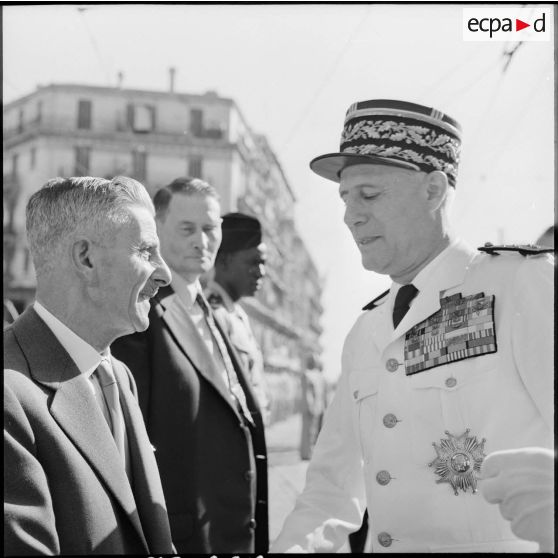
x,y
509,54
495,92
319,90
514,126
102,63
484,115
515,122
476,80
17,89
446,76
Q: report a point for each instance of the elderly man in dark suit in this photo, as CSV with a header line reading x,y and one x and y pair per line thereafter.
x,y
200,411
79,472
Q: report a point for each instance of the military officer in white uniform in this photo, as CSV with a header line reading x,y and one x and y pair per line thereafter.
x,y
453,363
239,272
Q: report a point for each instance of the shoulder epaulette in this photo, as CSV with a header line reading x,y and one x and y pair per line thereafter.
x,y
215,300
523,249
372,303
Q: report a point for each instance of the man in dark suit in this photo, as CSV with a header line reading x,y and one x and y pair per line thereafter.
x,y
200,411
79,472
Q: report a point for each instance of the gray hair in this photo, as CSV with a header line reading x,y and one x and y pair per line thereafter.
x,y
185,186
66,205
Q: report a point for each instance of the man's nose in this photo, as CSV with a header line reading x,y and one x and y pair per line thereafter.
x,y
201,240
353,216
162,274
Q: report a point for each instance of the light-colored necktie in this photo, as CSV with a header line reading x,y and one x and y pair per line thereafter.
x,y
109,387
234,385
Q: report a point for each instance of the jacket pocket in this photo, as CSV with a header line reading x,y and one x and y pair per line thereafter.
x,y
457,375
364,391
364,383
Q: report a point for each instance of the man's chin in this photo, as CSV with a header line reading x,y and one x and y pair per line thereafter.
x,y
142,325
372,265
140,321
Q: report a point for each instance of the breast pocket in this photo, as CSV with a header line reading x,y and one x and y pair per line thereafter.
x,y
453,398
460,375
364,393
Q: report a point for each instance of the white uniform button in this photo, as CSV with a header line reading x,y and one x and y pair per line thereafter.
x,y
355,394
392,365
451,382
384,539
383,478
390,420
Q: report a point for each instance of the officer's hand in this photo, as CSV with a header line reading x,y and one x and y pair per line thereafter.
x,y
521,482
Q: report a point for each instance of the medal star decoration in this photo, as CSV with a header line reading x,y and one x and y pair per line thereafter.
x,y
458,461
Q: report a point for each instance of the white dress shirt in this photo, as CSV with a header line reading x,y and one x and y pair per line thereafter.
x,y
82,353
187,293
86,358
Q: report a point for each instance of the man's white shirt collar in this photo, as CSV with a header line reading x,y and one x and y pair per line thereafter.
x,y
228,302
423,277
186,292
86,357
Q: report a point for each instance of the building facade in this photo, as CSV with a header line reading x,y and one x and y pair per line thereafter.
x,y
156,136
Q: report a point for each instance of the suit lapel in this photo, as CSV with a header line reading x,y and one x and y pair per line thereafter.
x,y
143,464
380,324
190,342
74,407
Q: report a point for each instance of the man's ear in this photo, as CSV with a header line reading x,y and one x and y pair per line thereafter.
x,y
436,188
83,258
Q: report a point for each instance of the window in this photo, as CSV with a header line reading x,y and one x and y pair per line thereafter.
x,y
195,167
32,158
139,164
196,122
39,112
84,115
20,121
82,160
141,118
15,159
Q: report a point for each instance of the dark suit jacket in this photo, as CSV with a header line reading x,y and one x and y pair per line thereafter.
x,y
213,467
65,489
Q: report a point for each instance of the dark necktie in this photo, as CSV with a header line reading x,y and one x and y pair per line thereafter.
x,y
402,300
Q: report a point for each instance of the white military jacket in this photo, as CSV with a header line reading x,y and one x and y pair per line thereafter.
x,y
238,328
377,441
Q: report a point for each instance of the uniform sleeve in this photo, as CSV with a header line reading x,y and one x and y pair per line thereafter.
x,y
521,483
533,332
333,500
257,380
29,522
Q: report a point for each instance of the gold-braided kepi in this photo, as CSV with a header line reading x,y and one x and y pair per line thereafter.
x,y
395,133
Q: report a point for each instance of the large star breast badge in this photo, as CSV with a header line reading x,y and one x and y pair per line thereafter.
x,y
459,461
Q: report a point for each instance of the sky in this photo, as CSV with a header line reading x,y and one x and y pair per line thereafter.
x,y
294,70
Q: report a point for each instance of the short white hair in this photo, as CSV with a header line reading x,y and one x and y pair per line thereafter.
x,y
450,197
64,206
